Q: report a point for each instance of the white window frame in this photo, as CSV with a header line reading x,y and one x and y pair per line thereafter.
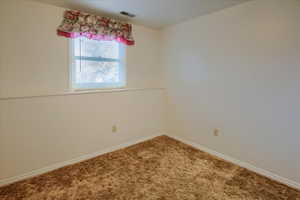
x,y
93,86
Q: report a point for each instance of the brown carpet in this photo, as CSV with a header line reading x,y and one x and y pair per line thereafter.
x,y
158,169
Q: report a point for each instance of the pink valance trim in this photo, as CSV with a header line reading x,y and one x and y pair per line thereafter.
x,y
79,24
95,37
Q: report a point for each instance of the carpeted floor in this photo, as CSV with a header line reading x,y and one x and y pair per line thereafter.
x,y
158,169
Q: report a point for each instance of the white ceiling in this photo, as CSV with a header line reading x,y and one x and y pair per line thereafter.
x,y
151,13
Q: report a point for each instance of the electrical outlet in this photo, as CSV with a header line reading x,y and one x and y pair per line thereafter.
x,y
114,129
216,132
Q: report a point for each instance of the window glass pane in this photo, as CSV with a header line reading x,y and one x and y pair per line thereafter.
x,y
97,64
97,72
94,48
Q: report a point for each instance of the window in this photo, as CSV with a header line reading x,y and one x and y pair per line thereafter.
x,y
97,64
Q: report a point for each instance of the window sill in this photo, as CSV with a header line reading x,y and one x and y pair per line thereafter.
x,y
84,90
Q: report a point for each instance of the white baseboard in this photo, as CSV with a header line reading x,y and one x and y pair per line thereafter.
x,y
37,172
246,165
243,164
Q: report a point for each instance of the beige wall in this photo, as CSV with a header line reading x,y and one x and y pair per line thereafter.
x,y
34,60
38,132
239,70
236,70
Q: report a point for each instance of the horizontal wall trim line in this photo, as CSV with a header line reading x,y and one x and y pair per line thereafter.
x,y
79,92
263,172
10,180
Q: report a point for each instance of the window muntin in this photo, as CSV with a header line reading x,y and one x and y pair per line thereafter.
x,y
97,64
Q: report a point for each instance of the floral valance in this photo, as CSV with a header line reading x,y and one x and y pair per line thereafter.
x,y
77,24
